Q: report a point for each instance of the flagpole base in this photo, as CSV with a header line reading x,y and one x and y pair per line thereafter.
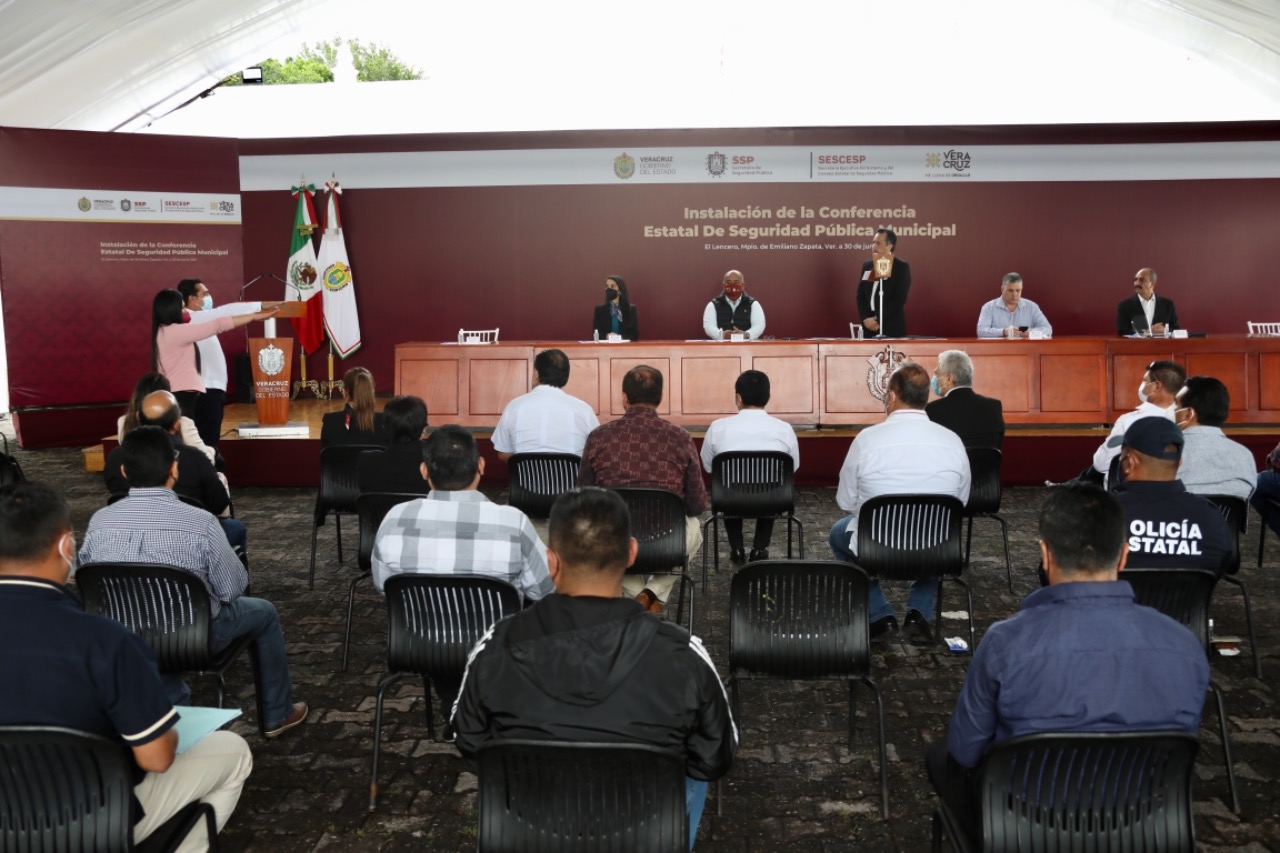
x,y
311,388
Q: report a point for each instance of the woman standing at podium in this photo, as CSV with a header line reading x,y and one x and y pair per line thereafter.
x,y
617,315
173,344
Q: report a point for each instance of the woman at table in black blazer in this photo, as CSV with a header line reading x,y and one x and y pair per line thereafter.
x,y
617,315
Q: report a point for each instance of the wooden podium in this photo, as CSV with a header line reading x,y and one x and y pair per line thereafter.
x,y
272,360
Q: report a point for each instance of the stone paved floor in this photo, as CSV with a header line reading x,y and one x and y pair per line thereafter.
x,y
795,785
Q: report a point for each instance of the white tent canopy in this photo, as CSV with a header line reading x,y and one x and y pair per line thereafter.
x,y
126,64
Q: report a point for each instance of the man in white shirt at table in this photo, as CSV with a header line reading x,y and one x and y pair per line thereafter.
x,y
751,429
547,419
1011,316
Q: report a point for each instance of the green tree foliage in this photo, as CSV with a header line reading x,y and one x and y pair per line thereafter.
x,y
315,64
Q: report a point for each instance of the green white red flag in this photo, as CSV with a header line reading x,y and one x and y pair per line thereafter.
x,y
341,319
303,277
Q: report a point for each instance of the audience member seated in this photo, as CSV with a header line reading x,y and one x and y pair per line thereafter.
x,y
357,423
1212,464
978,420
456,530
640,450
1169,528
546,420
905,454
1080,656
66,668
152,526
1269,490
196,477
633,678
751,429
396,469
186,427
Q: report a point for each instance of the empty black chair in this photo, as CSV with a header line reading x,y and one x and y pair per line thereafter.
x,y
169,608
371,509
914,537
1184,595
1090,793
338,492
65,790
804,620
560,797
658,524
1236,512
537,479
433,621
1262,532
984,499
750,484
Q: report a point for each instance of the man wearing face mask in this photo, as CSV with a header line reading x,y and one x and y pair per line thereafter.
x,y
213,363
66,668
1212,464
733,312
978,420
1157,396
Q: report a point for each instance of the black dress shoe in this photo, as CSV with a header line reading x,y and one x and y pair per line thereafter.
x,y
918,625
759,554
884,625
737,556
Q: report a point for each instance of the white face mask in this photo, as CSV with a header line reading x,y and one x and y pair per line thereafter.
x,y
1142,391
71,560
207,302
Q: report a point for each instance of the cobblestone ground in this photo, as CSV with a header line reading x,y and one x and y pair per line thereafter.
x,y
795,785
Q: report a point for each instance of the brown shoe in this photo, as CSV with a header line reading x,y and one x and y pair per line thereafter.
x,y
295,718
649,602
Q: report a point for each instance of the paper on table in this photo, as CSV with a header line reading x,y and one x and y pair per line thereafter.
x,y
194,722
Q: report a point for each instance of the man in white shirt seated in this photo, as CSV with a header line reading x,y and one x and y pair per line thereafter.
x,y
751,429
546,420
1212,464
1011,316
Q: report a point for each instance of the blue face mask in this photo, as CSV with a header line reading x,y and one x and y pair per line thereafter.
x,y
207,302
933,384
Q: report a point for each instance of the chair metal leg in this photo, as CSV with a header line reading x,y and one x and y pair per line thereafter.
x,y
1226,746
1248,620
968,594
337,520
884,752
431,710
222,688
968,542
853,712
377,735
1008,565
311,578
351,604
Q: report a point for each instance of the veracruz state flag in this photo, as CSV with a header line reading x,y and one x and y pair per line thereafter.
x,y
341,319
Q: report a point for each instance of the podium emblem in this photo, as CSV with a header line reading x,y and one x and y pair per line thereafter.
x,y
271,359
883,364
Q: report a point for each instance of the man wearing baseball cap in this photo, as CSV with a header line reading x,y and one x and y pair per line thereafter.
x,y
1167,526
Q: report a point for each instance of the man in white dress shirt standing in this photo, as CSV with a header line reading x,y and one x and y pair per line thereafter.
x,y
751,429
546,420
905,454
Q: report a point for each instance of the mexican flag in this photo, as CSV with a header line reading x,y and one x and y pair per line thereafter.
x,y
341,319
303,276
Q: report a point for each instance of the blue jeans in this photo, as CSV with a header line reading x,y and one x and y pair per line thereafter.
x,y
923,595
257,618
237,536
1268,487
695,798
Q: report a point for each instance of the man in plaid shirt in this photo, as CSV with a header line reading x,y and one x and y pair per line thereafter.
x,y
455,529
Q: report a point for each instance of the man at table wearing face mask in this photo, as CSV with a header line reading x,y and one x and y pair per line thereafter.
x,y
733,312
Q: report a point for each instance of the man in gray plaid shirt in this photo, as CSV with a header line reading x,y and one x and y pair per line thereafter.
x,y
455,529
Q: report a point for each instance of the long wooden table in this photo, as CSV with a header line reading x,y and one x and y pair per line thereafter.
x,y
1069,382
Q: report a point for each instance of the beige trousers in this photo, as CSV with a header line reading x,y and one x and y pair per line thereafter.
x,y
213,770
660,585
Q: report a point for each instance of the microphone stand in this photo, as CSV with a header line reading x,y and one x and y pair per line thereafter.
x,y
316,388
880,313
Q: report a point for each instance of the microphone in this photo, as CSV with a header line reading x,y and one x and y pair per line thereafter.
x,y
246,286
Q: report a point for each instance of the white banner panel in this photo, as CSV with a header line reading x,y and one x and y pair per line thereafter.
x,y
80,205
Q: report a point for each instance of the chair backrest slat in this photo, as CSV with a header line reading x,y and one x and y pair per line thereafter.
x,y
537,479
434,620
166,606
658,524
753,484
910,536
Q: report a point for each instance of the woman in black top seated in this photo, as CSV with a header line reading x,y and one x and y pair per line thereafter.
x,y
399,467
617,315
357,423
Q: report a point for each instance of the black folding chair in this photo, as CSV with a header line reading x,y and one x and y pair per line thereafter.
x,y
804,620
537,479
1185,595
68,790
558,797
750,484
914,537
433,621
169,608
1081,792
658,524
984,499
338,492
371,509
1236,512
1262,532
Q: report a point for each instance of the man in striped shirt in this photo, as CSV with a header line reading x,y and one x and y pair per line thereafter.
x,y
152,526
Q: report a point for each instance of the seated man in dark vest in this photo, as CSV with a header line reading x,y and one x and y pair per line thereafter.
x,y
733,312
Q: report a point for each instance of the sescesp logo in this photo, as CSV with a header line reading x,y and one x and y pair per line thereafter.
x,y
624,166
716,164
842,159
126,205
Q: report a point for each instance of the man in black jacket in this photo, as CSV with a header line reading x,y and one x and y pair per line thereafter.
x,y
585,663
1144,310
978,420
